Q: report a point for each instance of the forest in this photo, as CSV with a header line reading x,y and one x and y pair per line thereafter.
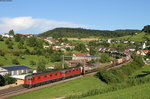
x,y
85,33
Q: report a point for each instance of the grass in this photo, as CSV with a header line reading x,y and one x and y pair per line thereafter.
x,y
7,60
64,89
136,92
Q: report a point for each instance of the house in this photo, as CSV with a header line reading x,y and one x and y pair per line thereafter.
x,y
50,40
15,70
6,35
55,47
109,40
142,52
80,56
125,41
27,35
132,42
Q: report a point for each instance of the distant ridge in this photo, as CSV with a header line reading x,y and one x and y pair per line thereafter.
x,y
84,33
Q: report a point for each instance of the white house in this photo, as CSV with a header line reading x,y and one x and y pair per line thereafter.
x,y
15,70
6,35
109,40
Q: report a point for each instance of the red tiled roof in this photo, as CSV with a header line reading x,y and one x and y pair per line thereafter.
x,y
81,54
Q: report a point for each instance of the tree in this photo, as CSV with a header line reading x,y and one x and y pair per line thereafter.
x,y
31,41
56,57
104,58
9,80
1,39
2,80
11,32
41,66
17,37
93,51
146,29
80,47
20,45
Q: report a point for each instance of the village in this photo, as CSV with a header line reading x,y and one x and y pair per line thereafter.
x,y
76,58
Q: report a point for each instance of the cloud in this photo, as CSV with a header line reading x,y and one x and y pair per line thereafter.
x,y
33,25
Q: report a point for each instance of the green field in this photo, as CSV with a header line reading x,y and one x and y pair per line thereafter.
x,y
135,37
136,92
64,89
7,60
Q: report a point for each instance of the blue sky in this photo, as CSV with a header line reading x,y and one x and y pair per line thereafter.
x,y
36,16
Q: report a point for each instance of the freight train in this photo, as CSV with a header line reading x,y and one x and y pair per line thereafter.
x,y
37,79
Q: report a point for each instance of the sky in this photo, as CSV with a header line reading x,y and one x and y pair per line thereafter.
x,y
37,16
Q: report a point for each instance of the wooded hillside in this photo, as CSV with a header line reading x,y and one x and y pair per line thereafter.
x,y
84,33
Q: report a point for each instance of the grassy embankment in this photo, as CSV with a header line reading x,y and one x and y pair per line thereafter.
x,y
135,92
72,87
85,84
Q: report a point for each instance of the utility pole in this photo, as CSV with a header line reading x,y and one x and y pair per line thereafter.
x,y
63,62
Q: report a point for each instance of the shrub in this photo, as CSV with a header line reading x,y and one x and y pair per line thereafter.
x,y
1,64
32,62
15,61
118,75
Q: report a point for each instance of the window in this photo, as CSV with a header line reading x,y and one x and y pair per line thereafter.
x,y
56,74
66,72
69,70
50,75
45,76
29,79
39,77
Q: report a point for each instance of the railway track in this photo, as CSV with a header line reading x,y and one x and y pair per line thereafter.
x,y
6,93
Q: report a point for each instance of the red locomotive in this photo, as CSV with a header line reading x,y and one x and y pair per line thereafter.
x,y
37,79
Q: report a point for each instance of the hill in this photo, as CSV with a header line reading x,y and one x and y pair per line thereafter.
x,y
84,33
21,54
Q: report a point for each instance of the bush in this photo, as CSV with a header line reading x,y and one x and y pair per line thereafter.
x,y
1,39
118,75
2,80
27,51
2,53
9,80
32,62
15,61
10,46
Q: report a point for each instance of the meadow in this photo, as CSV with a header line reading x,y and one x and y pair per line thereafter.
x,y
68,88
